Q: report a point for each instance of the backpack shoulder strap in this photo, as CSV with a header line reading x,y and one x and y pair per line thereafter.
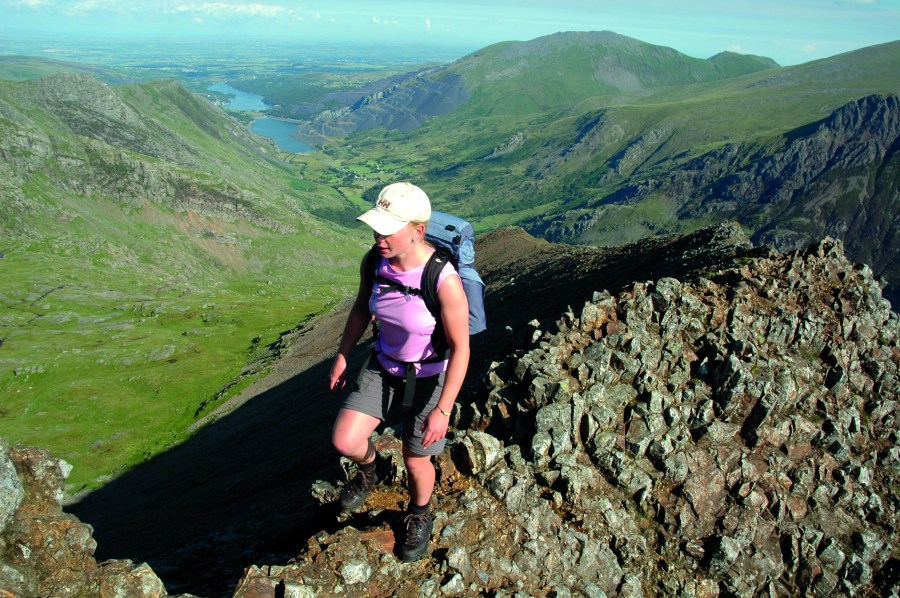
x,y
370,267
433,267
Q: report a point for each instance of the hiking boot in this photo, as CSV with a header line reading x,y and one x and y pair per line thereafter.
x,y
418,536
355,492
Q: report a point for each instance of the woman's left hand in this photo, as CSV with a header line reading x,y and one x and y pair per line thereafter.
x,y
435,427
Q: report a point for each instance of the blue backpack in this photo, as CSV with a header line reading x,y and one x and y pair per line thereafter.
x,y
454,241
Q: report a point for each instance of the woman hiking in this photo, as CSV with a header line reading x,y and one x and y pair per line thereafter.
x,y
406,366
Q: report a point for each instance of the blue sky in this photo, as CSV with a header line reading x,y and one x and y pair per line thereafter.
x,y
789,31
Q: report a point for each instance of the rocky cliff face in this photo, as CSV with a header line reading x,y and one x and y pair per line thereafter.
x,y
732,431
836,177
403,104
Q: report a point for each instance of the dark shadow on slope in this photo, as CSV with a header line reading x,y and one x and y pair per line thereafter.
x,y
238,492
235,494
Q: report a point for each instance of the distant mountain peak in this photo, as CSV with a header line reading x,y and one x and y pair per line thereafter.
x,y
548,73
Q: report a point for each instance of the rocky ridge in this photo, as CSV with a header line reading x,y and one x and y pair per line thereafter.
x,y
731,431
736,435
46,552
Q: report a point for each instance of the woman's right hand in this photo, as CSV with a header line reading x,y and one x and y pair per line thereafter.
x,y
338,377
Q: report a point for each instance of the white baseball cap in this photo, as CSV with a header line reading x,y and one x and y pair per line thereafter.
x,y
397,205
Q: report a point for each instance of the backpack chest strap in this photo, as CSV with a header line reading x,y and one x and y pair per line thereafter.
x,y
396,286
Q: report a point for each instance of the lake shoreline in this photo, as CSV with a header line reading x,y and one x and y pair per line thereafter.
x,y
283,131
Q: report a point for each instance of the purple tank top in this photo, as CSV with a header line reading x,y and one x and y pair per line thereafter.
x,y
404,322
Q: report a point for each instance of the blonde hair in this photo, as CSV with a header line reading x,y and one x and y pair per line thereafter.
x,y
423,223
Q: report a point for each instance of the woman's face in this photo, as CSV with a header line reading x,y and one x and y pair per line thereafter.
x,y
398,243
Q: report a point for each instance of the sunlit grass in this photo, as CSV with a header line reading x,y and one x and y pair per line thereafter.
x,y
107,370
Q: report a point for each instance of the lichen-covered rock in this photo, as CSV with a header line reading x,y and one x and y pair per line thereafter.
x,y
46,552
757,403
11,490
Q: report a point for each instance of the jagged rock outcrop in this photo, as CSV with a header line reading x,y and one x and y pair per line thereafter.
x,y
735,434
45,552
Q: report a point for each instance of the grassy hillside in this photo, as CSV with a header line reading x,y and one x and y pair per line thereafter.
x,y
552,73
153,252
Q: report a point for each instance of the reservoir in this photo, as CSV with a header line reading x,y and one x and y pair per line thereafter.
x,y
280,131
241,100
275,128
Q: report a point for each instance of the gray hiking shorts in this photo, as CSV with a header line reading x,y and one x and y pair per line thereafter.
x,y
380,395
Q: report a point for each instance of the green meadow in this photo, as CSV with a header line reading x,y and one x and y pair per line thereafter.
x,y
114,342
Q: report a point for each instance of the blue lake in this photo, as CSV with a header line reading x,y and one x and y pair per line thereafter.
x,y
241,100
280,131
274,128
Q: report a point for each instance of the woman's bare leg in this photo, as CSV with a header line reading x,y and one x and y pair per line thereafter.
x,y
350,435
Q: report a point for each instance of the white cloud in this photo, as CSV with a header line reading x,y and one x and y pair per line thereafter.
x,y
228,9
31,3
427,24
222,9
86,7
377,21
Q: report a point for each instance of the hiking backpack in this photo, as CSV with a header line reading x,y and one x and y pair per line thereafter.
x,y
454,240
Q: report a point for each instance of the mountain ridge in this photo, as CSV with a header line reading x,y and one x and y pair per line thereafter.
x,y
616,65
792,184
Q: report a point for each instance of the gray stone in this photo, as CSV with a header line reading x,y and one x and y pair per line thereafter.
x,y
355,572
11,490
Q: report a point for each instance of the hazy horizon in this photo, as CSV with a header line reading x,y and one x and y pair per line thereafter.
x,y
803,31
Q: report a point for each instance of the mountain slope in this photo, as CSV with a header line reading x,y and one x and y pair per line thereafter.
x,y
23,68
262,452
554,72
726,436
575,396
153,251
836,177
